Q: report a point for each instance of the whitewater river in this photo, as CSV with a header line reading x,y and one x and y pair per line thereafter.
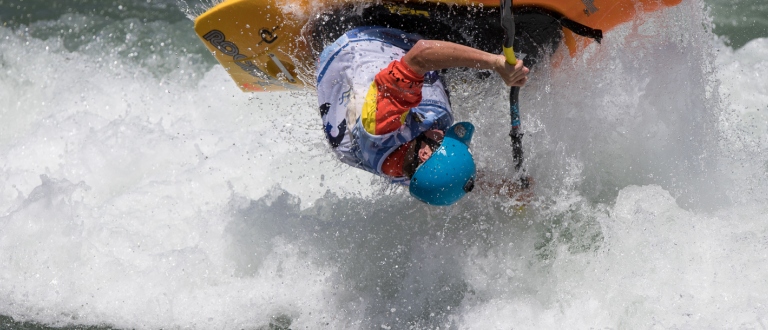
x,y
140,189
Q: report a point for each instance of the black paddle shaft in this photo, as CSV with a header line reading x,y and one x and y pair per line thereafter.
x,y
508,23
515,132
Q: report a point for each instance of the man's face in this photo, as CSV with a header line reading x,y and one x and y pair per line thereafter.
x,y
425,151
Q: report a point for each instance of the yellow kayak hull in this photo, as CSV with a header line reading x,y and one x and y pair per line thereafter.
x,y
264,46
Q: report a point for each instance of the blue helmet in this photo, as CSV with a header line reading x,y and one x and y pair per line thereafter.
x,y
449,173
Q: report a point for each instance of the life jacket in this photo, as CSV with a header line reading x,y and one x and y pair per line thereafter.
x,y
346,71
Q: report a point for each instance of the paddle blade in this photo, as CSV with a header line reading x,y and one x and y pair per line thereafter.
x,y
508,24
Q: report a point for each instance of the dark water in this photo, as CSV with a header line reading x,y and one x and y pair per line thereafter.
x,y
7,323
740,20
23,12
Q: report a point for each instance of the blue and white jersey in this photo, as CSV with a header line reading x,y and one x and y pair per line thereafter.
x,y
346,71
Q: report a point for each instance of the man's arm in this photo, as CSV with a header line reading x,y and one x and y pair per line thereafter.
x,y
430,55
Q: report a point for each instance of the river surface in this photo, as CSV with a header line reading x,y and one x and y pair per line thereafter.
x,y
140,189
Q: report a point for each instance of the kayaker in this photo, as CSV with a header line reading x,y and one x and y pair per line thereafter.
x,y
385,108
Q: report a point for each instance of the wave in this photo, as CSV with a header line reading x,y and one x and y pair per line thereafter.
x,y
143,190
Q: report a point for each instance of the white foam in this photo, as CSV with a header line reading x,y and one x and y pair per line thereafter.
x,y
169,199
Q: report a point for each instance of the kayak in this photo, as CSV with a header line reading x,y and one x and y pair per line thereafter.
x,y
272,45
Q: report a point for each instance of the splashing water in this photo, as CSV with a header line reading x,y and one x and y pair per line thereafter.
x,y
142,189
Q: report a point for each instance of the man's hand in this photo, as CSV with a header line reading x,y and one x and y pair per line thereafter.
x,y
429,55
516,75
514,189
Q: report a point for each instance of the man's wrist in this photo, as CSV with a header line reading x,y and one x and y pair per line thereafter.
x,y
496,63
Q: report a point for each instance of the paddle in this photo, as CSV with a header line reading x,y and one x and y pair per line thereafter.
x,y
508,24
